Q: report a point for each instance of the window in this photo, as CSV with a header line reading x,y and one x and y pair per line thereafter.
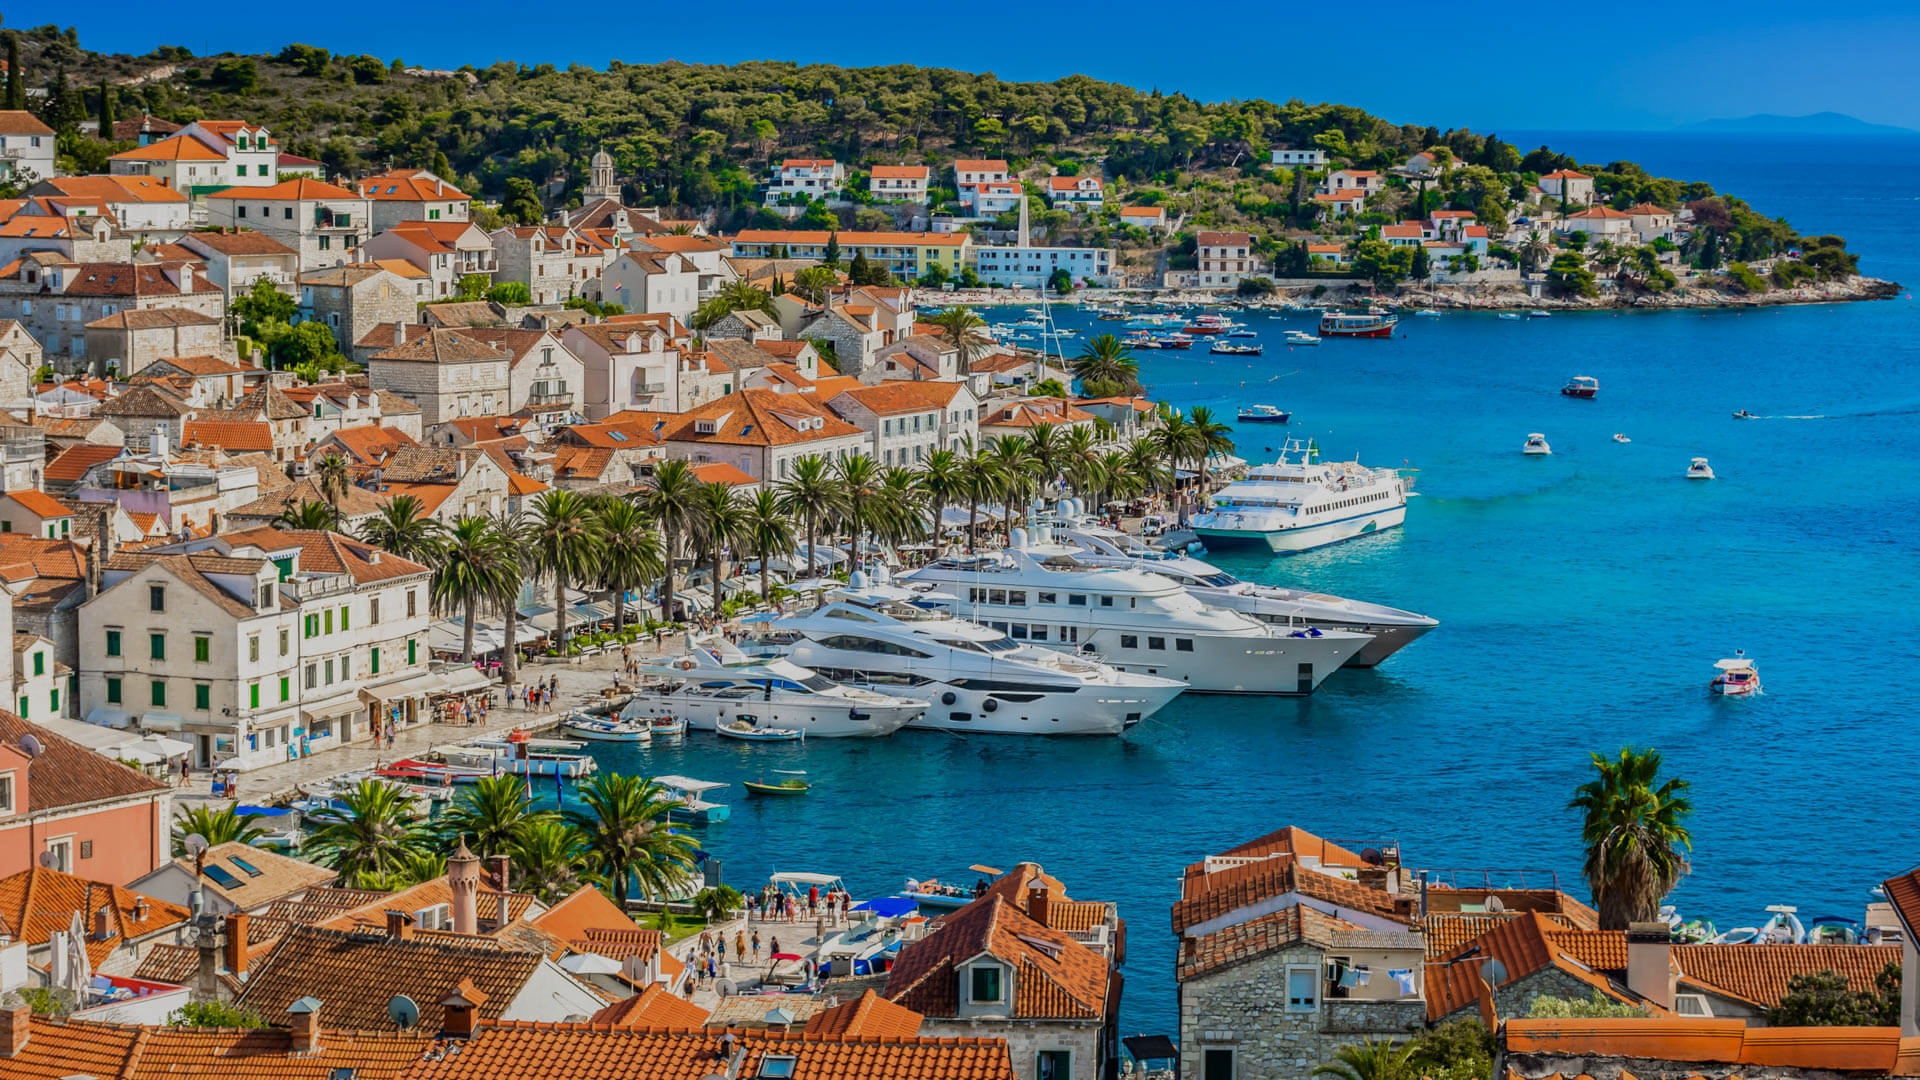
x,y
1129,641
286,688
313,676
157,693
202,696
411,612
775,1068
1106,601
156,598
283,641
1157,643
113,691
327,621
157,646
374,656
6,793
343,620
1216,1064
202,648
86,849
1076,600
24,711
1052,1065
329,672
1048,598
984,985
1303,989
1183,644
62,852
412,649
113,643
373,611
253,648
39,663
253,696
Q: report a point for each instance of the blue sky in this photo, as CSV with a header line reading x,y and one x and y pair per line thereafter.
x,y
1639,66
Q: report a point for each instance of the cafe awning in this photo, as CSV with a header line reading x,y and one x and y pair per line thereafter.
x,y
400,689
462,680
162,721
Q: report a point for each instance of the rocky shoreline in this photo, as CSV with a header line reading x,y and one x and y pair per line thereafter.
x,y
1494,297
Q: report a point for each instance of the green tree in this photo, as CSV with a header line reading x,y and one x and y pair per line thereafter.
x,y
718,902
833,250
1060,281
516,538
672,501
630,552
490,814
522,203
238,75
719,520
1570,276
511,294
333,478
865,271
1826,999
1635,836
1422,266
375,838
566,541
473,567
628,840
1369,1060
215,1014
814,282
106,111
1535,250
16,88
858,477
310,514
402,528
1599,1006
734,296
767,531
812,492
1106,367
549,858
1456,1050
1210,437
965,331
225,825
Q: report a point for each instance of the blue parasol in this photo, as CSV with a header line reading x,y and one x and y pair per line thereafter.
x,y
886,906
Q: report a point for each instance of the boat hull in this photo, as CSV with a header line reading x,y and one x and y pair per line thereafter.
x,y
1290,541
1106,710
592,735
816,722
1280,418
1582,393
771,789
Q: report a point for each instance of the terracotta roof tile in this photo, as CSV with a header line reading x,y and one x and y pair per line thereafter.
x,y
355,974
62,559
1759,975
1863,1050
1259,937
238,242
1056,975
408,185
37,902
74,461
327,553
64,1048
67,773
1210,896
173,148
803,237
868,1015
904,396
138,280
228,435
299,188
760,417
39,503
655,1007
720,472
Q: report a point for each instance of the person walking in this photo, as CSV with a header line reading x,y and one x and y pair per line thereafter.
x,y
756,946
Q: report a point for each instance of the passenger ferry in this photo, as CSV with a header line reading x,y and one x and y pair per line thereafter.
x,y
1300,502
1372,324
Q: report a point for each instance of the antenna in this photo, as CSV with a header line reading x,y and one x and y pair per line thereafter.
x,y
195,844
32,746
1495,904
402,1011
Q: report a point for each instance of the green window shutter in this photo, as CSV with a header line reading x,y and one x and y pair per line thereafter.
x,y
329,622
157,646
376,660
113,643
202,649
286,688
53,701
157,692
253,696
113,691
39,663
412,652
23,706
203,696
344,617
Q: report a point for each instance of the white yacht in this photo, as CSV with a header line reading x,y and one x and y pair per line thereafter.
x,y
1392,628
718,684
1698,469
1536,445
1040,592
887,639
1300,502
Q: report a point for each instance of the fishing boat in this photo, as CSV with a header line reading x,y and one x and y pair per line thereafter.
x,y
1698,469
1833,930
1738,677
1264,414
1226,348
935,894
794,784
1301,337
667,727
747,728
1620,438
1783,927
1536,445
1585,387
1537,314
603,729
1368,324
1208,325
689,803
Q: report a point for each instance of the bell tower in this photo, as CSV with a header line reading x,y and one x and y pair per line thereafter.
x,y
601,184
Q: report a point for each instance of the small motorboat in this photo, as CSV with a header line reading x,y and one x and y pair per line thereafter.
x,y
1227,348
1536,314
667,727
1264,414
794,784
1744,415
1585,387
1738,677
748,729
1698,469
1783,928
1832,930
1427,313
1536,445
937,895
1242,333
1301,337
604,729
1511,316
1620,438
1739,935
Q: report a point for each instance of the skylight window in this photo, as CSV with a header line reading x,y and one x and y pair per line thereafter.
x,y
617,436
222,878
250,869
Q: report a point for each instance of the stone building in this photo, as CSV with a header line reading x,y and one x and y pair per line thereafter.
x,y
445,372
354,299
54,299
128,341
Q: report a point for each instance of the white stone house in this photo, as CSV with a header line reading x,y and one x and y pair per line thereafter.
x,y
812,178
1367,181
143,206
624,366
1084,192
653,283
412,195
907,421
26,146
445,250
762,432
899,183
447,373
324,222
1297,159
1569,185
1223,259
1600,223
204,157
235,260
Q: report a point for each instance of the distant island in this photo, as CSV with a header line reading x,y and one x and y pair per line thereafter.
x,y
1820,123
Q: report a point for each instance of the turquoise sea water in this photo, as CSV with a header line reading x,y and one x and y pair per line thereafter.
x,y
1583,600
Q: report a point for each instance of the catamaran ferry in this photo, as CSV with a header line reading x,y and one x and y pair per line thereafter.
x,y
1300,502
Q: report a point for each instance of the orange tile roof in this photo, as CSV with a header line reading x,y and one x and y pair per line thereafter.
x,y
371,444
1293,840
1155,212
586,909
1599,213
407,185
1210,896
807,163
1648,210
1903,892
327,552
518,484
48,558
1057,977
1729,1041
900,172
298,188
1566,174
38,902
228,434
610,434
67,774
868,1015
172,148
65,1048
720,472
142,189
1256,938
355,974
40,504
902,396
979,165
805,237
1340,195
1035,412
1070,183
760,417
654,1008
1524,945
1760,976
1222,239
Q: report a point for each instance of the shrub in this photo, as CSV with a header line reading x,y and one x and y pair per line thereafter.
x,y
1743,279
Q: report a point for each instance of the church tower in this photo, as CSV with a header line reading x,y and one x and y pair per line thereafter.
x,y
602,185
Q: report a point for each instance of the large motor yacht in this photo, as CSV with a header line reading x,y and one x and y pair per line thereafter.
x,y
1039,591
718,684
1300,502
1392,628
887,639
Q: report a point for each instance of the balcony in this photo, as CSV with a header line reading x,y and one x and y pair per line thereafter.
x,y
560,397
653,388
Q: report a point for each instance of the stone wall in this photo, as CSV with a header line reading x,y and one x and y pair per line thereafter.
x,y
1026,1038
1244,1008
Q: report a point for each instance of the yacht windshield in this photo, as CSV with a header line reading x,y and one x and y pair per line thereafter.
x,y
1220,580
817,683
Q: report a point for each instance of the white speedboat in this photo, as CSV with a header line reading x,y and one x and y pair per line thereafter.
x,y
1698,469
1392,629
1510,316
1301,337
718,684
888,639
1620,438
1783,927
1539,314
1536,445
604,729
1738,676
1040,591
1300,502
747,728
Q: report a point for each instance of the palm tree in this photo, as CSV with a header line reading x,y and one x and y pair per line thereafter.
x,y
670,502
1144,462
1634,836
1535,250
1370,1060
491,813
471,568
376,837
1120,478
734,296
1046,451
859,478
980,480
1211,437
900,506
812,492
549,857
566,547
1013,476
1079,457
630,556
720,519
1105,359
223,826
311,514
965,331
402,528
766,528
626,836
514,540
943,482
334,480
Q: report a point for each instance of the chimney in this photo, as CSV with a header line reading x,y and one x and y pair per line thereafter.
x,y
1649,962
459,466
399,926
501,865
16,1023
305,1026
500,918
237,945
463,877
103,923
463,1010
206,978
1039,899
186,278
399,333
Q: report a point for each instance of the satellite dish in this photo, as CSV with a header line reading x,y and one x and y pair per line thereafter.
x,y
32,746
48,859
1493,971
402,1011
1495,904
1372,857
725,987
195,844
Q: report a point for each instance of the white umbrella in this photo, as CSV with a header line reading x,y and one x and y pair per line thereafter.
x,y
138,753
590,964
166,747
79,965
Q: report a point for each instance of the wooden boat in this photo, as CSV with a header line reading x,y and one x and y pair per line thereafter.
x,y
794,784
601,729
746,729
667,726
